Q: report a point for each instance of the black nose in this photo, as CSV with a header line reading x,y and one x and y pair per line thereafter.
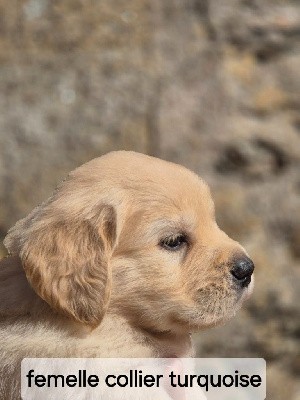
x,y
242,270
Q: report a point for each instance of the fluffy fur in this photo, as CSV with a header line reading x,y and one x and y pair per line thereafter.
x,y
88,274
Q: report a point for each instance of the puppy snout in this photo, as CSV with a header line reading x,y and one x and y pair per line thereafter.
x,y
242,270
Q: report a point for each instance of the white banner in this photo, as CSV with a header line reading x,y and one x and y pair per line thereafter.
x,y
143,379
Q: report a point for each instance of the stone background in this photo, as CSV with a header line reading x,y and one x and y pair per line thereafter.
x,y
212,85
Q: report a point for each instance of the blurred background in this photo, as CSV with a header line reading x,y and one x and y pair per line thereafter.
x,y
212,85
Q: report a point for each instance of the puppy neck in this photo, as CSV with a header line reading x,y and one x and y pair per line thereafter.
x,y
169,344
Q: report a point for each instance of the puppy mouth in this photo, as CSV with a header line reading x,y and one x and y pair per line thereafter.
x,y
227,302
243,287
249,288
245,281
243,291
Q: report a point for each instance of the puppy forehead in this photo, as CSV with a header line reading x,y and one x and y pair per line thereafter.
x,y
177,199
130,170
162,187
167,187
167,196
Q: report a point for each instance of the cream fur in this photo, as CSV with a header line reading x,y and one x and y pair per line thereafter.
x,y
87,275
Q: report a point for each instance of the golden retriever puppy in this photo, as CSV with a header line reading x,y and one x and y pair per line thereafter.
x,y
125,259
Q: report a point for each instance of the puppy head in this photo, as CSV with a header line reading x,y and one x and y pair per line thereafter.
x,y
137,230
174,269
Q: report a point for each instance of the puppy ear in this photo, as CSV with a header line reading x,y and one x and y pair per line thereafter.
x,y
66,260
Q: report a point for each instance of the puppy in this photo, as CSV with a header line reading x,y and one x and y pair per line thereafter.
x,y
125,259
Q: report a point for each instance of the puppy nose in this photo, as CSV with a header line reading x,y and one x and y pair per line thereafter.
x,y
242,270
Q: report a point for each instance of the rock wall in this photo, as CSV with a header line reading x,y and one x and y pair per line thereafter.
x,y
209,84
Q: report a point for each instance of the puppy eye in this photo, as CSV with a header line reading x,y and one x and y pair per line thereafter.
x,y
174,242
